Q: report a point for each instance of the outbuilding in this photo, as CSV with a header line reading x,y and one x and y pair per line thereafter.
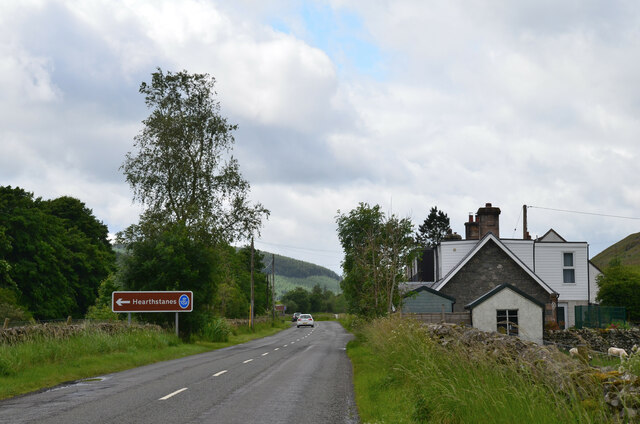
x,y
508,310
422,299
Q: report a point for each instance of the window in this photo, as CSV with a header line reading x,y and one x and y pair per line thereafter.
x,y
508,321
568,271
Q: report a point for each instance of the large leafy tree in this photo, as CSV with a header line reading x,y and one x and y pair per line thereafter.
x,y
172,260
619,285
377,248
183,170
433,229
195,200
53,259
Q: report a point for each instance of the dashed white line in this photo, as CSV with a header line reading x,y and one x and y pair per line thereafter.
x,y
265,354
285,345
218,374
277,348
248,360
173,394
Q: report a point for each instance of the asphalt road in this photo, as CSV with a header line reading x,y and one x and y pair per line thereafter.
x,y
296,376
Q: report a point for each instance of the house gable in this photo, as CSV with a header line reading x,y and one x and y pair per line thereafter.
x,y
479,246
488,266
499,288
529,311
552,236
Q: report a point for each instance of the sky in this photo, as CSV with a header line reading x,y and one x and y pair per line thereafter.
x,y
403,104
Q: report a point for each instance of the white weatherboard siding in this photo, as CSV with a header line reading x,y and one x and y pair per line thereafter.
x,y
452,252
523,249
484,315
549,266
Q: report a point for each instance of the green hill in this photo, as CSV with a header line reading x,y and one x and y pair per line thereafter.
x,y
292,273
627,250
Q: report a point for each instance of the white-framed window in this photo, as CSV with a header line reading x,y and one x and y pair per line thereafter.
x,y
507,321
568,268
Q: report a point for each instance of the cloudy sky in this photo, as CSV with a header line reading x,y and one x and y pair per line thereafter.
x,y
406,104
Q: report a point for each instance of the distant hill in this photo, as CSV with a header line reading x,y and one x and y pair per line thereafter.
x,y
627,250
292,273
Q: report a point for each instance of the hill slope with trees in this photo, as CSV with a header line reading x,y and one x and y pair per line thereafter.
x,y
626,250
291,273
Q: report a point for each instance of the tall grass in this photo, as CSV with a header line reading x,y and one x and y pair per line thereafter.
x,y
404,376
47,350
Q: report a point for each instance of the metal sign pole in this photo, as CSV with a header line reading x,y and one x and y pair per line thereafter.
x,y
177,333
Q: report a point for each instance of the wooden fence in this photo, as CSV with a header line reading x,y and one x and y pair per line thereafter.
x,y
438,317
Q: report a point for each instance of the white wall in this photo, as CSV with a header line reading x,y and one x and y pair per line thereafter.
x,y
523,249
484,315
450,253
549,266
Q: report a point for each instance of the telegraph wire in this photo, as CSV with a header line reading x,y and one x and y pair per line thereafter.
x,y
516,227
584,213
298,248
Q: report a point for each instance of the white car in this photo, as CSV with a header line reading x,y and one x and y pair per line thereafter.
x,y
304,320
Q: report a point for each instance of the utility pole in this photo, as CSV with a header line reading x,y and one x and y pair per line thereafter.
x,y
524,222
252,314
273,284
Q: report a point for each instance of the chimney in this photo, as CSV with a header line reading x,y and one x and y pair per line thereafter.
x,y
471,229
488,220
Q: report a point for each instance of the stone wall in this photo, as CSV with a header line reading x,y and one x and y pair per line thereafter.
x,y
487,269
599,340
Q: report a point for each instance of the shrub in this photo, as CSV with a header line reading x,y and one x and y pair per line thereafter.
x,y
217,329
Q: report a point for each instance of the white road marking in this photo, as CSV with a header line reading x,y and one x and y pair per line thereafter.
x,y
248,360
277,348
173,394
265,354
218,374
285,345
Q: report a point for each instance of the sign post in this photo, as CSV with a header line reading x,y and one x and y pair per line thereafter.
x,y
152,301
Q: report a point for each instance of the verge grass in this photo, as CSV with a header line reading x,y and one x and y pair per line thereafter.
x,y
43,362
401,375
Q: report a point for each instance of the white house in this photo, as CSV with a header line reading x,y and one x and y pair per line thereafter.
x,y
550,270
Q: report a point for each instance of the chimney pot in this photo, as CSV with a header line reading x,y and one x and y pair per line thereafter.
x,y
487,205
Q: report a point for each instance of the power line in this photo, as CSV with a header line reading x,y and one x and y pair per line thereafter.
x,y
298,248
585,213
516,227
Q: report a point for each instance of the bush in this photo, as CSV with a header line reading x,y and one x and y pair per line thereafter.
x,y
217,329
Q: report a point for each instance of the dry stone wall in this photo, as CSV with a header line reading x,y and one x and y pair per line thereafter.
x,y
599,340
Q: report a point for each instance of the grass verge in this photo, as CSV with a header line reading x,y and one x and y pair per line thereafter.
x,y
401,375
46,362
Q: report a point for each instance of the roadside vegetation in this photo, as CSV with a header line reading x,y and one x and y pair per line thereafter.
x,y
46,361
403,375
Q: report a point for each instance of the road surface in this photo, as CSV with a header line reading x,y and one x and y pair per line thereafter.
x,y
296,376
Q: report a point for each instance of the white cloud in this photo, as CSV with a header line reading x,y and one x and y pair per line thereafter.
x,y
528,102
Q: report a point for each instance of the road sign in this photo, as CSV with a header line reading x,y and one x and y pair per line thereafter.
x,y
152,301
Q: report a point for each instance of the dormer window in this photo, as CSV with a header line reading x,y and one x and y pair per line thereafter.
x,y
568,270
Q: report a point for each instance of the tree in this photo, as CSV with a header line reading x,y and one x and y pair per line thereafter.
x,y
183,171
433,229
619,285
377,249
172,260
53,265
317,299
297,300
